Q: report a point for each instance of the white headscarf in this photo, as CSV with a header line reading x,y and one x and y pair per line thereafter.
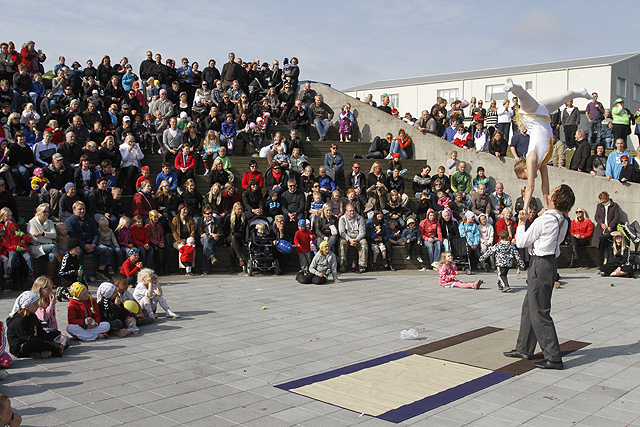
x,y
105,290
24,300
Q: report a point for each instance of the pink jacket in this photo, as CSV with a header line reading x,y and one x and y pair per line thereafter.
x,y
47,316
447,274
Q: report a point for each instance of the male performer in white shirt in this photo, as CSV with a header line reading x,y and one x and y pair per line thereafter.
x,y
543,237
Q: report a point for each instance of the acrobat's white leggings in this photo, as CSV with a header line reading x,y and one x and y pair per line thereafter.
x,y
150,304
84,334
530,105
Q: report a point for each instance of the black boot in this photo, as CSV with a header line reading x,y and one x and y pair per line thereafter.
x,y
574,257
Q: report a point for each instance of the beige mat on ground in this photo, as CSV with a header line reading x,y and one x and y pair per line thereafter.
x,y
390,385
485,351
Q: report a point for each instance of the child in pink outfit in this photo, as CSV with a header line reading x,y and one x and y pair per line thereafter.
x,y
447,273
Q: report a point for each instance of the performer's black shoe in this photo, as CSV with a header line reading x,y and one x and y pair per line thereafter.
x,y
547,364
517,355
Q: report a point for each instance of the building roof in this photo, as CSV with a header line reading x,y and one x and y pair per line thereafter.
x,y
493,72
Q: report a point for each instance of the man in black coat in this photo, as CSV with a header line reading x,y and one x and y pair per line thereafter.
x,y
58,175
210,74
582,153
230,72
293,204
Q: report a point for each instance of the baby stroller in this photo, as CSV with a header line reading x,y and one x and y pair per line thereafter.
x,y
632,233
261,256
460,253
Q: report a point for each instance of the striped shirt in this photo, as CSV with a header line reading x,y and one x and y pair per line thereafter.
x,y
491,119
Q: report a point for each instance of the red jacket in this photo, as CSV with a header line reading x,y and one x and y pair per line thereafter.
x,y
303,240
186,253
27,59
462,140
584,228
430,229
78,311
502,225
231,200
142,204
247,177
140,236
128,268
185,162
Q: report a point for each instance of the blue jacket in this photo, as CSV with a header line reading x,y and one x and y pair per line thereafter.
x,y
372,233
471,232
111,179
326,182
77,178
127,81
85,230
171,178
411,234
185,74
450,133
329,159
228,129
613,164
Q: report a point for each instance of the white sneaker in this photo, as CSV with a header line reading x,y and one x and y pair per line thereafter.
x,y
408,257
308,139
172,314
435,265
419,259
206,172
423,269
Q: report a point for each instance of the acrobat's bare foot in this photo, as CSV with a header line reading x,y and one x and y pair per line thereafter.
x,y
508,86
585,93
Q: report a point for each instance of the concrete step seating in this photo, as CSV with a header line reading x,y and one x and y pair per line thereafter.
x,y
314,151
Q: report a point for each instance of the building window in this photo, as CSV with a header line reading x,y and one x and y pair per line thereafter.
x,y
636,92
528,85
495,93
621,89
394,99
449,95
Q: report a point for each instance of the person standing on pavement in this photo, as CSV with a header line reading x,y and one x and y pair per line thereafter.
x,y
543,237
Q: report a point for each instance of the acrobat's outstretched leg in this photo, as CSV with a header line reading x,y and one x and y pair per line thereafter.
x,y
530,105
527,102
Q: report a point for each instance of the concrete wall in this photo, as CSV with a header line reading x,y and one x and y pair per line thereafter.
x,y
435,152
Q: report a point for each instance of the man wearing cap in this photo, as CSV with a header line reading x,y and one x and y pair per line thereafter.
x,y
58,175
352,231
614,163
85,229
123,130
81,133
621,121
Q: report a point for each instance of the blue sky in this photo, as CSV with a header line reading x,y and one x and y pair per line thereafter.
x,y
344,43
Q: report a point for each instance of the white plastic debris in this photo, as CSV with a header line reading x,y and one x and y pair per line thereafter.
x,y
411,334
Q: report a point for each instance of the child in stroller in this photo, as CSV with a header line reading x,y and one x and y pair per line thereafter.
x,y
261,247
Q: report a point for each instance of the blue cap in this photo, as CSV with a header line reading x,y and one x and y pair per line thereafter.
x,y
133,251
302,223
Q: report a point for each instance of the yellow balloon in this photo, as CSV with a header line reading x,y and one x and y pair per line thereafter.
x,y
132,306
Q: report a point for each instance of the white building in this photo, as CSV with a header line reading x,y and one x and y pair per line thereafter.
x,y
613,76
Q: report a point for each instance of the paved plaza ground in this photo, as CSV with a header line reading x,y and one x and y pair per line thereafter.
x,y
218,364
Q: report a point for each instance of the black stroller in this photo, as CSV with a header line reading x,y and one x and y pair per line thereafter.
x,y
261,256
460,253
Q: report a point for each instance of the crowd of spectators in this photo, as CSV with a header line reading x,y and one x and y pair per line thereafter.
x,y
79,146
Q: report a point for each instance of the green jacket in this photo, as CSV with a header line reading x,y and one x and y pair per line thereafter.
x,y
461,181
619,116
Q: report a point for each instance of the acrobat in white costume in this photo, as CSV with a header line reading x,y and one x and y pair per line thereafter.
x,y
536,118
